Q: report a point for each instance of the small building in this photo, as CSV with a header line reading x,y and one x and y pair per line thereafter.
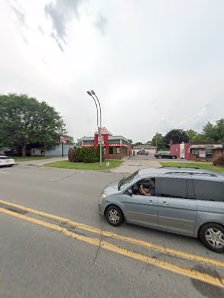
x,y
147,148
60,149
197,150
115,147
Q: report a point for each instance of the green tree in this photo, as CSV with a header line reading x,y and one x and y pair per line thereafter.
x,y
24,120
177,136
158,141
214,132
136,144
130,141
220,130
209,132
199,138
70,140
192,134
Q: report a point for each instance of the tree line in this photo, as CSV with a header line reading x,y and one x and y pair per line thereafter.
x,y
210,133
24,120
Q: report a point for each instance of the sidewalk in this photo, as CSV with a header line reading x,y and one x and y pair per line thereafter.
x,y
40,162
132,165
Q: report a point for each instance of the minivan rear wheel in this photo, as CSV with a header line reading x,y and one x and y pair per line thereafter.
x,y
212,236
114,215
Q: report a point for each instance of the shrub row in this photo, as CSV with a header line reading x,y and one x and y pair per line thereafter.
x,y
219,161
87,155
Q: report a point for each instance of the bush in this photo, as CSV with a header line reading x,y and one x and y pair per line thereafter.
x,y
87,155
219,161
72,154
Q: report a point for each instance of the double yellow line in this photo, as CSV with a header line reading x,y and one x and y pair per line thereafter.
x,y
204,277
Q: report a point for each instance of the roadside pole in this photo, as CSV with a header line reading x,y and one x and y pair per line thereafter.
x,y
100,137
93,93
98,109
63,140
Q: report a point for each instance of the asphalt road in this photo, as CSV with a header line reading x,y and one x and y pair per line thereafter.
x,y
46,256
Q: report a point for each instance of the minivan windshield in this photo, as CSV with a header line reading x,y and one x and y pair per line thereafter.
x,y
127,180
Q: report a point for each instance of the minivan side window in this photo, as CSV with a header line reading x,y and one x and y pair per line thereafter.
x,y
171,187
208,190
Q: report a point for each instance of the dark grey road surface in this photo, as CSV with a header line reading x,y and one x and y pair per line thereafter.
x,y
38,262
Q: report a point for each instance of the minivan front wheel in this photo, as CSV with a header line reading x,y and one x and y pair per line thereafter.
x,y
212,235
114,215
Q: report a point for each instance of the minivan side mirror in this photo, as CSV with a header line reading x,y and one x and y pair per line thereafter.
x,y
129,192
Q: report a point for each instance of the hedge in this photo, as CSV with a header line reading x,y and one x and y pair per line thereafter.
x,y
87,155
219,161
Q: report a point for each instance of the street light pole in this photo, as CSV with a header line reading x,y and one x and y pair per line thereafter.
x,y
97,118
99,125
94,94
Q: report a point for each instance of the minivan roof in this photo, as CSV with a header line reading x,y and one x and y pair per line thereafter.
x,y
179,172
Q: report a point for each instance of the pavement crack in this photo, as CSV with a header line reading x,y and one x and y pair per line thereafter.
x,y
70,228
69,176
101,239
14,209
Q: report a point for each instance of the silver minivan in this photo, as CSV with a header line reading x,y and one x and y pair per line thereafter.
x,y
184,201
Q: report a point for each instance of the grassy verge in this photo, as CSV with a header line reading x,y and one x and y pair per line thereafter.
x,y
199,165
65,164
29,158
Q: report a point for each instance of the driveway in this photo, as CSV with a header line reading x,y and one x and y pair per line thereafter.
x,y
135,163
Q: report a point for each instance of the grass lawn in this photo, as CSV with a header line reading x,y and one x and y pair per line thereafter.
x,y
29,158
199,165
65,164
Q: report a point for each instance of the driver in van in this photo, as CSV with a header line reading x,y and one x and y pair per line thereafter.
x,y
148,191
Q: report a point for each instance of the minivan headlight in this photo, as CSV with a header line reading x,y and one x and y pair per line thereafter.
x,y
103,196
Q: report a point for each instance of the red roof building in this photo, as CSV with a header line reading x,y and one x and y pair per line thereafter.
x,y
115,147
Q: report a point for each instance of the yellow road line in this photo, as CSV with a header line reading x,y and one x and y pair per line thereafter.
x,y
148,245
204,277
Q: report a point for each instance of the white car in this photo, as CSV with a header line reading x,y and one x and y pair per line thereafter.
x,y
6,161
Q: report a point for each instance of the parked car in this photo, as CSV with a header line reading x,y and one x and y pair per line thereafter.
x,y
142,152
6,161
186,201
165,155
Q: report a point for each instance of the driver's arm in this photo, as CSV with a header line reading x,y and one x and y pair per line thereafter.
x,y
143,191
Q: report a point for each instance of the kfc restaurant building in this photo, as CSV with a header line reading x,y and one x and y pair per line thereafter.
x,y
115,147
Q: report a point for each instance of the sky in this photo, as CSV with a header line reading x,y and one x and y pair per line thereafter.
x,y
154,64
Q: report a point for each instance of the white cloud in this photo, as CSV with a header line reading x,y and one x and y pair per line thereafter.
x,y
155,65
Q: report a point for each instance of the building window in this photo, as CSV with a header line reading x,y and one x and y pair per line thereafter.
x,y
111,151
195,153
118,151
209,152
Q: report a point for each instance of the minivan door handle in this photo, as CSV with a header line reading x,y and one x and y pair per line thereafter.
x,y
150,202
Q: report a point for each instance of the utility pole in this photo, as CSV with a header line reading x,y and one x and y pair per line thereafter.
x,y
99,121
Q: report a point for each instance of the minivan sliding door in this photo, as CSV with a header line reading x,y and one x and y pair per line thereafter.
x,y
177,207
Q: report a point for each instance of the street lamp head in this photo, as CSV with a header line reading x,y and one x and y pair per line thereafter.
x,y
93,93
89,93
